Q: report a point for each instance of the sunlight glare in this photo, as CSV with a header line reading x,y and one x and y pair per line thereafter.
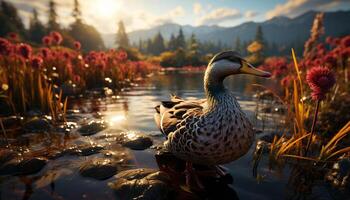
x,y
107,8
115,119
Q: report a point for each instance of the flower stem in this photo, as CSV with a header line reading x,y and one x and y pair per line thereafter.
x,y
313,127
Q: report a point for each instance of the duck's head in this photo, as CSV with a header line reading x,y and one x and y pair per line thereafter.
x,y
230,62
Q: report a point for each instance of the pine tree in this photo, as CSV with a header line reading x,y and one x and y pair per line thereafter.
x,y
52,23
172,43
158,44
259,36
238,45
36,28
180,40
149,46
122,39
76,11
10,20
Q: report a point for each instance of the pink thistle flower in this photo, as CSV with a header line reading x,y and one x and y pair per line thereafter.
x,y
37,62
77,45
57,37
46,40
25,50
320,80
5,47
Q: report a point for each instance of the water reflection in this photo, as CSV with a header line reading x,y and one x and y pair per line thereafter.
x,y
132,112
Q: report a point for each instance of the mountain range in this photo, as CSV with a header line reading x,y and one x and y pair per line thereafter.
x,y
278,30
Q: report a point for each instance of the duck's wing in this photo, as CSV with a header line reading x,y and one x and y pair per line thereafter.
x,y
170,113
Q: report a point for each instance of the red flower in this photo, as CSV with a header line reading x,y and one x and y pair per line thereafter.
x,y
25,50
5,47
47,40
45,52
346,41
329,40
77,45
37,62
76,78
286,81
320,80
57,37
13,36
122,55
345,53
330,60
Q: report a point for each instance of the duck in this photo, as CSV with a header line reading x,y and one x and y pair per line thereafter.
x,y
214,130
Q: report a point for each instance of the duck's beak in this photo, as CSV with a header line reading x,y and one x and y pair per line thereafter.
x,y
248,68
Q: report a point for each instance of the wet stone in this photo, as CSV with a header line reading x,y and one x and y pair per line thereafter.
x,y
12,122
100,169
92,128
7,155
37,125
31,166
339,175
25,166
89,150
142,184
137,142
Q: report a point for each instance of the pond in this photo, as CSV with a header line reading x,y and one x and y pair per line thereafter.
x,y
130,112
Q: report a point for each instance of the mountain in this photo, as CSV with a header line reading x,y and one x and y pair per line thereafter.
x,y
279,30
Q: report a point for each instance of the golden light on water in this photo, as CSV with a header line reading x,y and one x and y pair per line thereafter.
x,y
107,8
116,119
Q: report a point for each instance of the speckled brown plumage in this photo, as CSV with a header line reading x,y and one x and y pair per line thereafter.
x,y
209,131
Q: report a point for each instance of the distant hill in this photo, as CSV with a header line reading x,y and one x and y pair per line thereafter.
x,y
279,30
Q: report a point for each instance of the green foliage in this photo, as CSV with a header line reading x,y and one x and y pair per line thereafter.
x,y
10,20
52,24
36,28
87,35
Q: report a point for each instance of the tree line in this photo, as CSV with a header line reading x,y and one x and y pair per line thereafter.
x,y
77,31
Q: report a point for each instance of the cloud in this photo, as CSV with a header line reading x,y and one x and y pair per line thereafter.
x,y
219,15
197,8
293,8
178,11
250,14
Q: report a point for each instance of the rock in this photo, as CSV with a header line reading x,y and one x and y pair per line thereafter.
x,y
37,125
31,166
142,184
339,175
18,166
12,122
136,141
89,150
7,155
92,128
10,167
99,169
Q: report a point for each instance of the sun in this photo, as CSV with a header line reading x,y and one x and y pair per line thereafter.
x,y
107,8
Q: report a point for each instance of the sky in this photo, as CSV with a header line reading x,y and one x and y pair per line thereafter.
x,y
144,14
